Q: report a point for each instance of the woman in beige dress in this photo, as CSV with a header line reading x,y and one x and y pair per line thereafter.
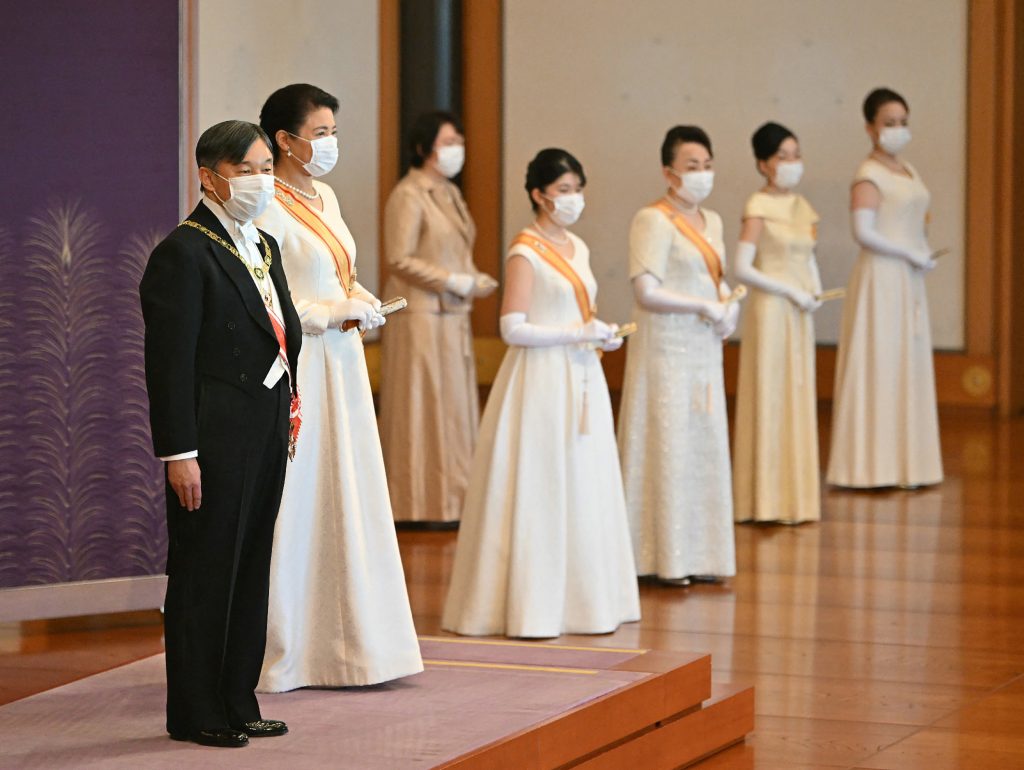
x,y
428,395
775,456
885,426
673,434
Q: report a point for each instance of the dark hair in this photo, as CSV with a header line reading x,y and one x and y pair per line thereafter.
x,y
228,141
768,138
877,99
681,135
547,166
423,134
286,109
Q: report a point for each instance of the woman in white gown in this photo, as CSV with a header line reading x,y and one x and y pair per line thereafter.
x,y
544,545
339,612
775,450
673,434
885,425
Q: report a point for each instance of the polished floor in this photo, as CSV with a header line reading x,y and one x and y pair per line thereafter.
x,y
891,635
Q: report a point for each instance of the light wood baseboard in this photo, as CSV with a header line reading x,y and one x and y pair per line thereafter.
x,y
960,379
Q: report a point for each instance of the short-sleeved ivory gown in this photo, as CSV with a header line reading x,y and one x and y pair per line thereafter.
x,y
885,425
543,548
775,453
673,435
339,612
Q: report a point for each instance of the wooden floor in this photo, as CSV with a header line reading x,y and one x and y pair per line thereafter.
x,y
889,636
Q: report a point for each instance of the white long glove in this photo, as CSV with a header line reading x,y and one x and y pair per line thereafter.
x,y
461,284
484,285
751,276
516,330
652,296
727,326
363,313
359,292
865,232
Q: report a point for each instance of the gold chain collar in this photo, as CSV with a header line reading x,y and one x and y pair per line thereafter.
x,y
258,272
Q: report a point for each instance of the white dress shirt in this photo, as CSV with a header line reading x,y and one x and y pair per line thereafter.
x,y
246,239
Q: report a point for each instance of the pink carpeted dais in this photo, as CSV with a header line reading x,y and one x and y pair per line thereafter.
x,y
472,694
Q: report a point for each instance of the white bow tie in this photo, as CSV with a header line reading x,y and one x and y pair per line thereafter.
x,y
249,232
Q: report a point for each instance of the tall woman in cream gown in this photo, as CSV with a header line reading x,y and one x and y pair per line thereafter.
x,y
544,545
775,457
339,613
428,395
885,426
673,436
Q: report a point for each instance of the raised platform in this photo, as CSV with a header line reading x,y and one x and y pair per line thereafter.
x,y
480,704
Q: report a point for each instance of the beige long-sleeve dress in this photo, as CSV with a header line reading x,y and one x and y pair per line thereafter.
x,y
775,454
885,425
429,407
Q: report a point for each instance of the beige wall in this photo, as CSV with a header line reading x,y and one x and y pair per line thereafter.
x,y
606,79
249,48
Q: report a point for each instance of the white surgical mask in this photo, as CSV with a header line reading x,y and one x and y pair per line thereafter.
x,y
696,185
788,174
325,154
568,208
893,139
250,195
450,159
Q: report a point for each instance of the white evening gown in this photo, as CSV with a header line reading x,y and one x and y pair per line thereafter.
x,y
543,548
339,613
673,434
885,424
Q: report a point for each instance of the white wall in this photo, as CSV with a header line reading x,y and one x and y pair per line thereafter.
x,y
249,48
605,80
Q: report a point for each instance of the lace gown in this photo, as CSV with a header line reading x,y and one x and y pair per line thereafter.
x,y
673,435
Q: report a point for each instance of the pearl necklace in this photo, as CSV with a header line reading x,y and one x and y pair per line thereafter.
x,y
308,196
565,239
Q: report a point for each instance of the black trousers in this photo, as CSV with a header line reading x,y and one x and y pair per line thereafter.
x,y
218,566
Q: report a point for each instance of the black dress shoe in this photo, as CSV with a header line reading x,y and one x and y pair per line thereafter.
x,y
221,737
263,728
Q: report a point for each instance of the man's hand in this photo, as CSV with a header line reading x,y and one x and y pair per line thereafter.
x,y
183,476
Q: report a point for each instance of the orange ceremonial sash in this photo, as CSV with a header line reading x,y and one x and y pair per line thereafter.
x,y
712,261
299,209
547,252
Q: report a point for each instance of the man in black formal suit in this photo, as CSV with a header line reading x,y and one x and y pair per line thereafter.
x,y
222,345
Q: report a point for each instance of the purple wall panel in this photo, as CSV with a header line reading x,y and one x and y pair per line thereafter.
x,y
89,103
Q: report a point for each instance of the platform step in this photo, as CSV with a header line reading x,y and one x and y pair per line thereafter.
x,y
668,718
722,721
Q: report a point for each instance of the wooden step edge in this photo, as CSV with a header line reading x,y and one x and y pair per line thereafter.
x,y
723,721
608,719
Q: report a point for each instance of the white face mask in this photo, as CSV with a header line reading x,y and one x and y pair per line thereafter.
x,y
250,196
893,139
788,174
450,159
696,185
325,154
568,208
